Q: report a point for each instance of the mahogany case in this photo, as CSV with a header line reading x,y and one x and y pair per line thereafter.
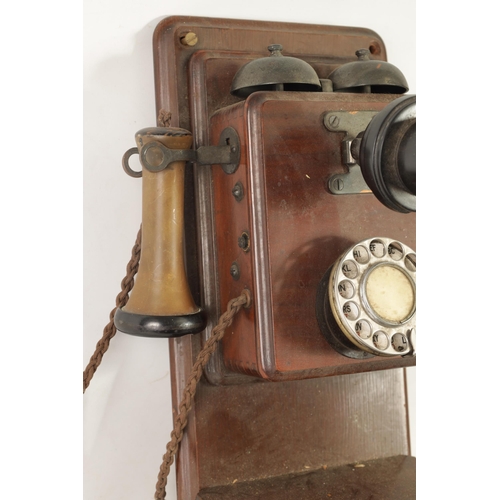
x,y
295,229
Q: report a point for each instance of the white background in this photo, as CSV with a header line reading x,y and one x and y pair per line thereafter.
x,y
127,408
41,251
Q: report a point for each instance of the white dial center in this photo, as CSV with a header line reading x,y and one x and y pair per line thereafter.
x,y
390,293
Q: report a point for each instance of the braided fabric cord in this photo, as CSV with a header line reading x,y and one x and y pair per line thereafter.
x,y
202,359
121,299
164,118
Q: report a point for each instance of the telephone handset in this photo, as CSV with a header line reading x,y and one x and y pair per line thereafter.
x,y
371,294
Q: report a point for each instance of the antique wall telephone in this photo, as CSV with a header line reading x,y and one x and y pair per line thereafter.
x,y
309,210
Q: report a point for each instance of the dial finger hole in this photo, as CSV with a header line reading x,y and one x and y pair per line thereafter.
x,y
377,248
361,255
350,310
363,329
350,269
346,289
395,250
381,340
399,342
411,262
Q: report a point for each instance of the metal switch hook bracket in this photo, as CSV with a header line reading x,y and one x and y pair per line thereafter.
x,y
351,124
156,157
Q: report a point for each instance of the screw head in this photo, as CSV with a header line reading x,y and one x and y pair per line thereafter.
x,y
238,191
190,39
335,184
234,271
331,121
244,241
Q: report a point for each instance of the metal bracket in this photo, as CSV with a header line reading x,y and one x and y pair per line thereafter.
x,y
155,156
226,154
352,123
350,183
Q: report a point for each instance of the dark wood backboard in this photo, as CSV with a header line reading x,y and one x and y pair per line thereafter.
x,y
242,428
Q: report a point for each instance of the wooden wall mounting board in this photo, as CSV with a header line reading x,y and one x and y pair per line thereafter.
x,y
242,429
390,478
